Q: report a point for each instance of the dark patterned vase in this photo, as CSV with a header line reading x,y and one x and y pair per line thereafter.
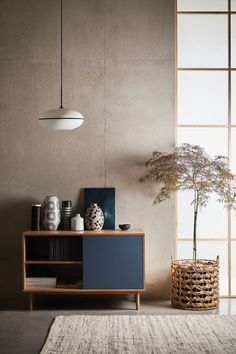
x,y
94,218
51,213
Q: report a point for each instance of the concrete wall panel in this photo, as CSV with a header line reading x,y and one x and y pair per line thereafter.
x,y
119,73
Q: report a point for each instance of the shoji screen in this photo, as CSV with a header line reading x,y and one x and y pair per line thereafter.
x,y
206,115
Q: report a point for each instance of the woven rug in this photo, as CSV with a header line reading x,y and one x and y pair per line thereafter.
x,y
184,334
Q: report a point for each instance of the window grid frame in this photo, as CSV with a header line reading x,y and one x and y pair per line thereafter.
x,y
229,126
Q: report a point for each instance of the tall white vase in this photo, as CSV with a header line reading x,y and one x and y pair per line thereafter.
x,y
51,213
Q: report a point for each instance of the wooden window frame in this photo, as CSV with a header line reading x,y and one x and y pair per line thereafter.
x,y
229,124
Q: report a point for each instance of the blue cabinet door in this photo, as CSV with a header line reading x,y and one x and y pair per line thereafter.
x,y
112,262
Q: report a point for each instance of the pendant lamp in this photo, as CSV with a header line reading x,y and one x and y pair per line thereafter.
x,y
61,118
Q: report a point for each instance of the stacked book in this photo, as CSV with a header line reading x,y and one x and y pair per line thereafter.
x,y
41,282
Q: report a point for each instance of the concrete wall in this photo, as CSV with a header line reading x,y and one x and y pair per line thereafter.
x,y
118,72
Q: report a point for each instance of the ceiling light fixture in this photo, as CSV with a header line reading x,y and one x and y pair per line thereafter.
x,y
61,118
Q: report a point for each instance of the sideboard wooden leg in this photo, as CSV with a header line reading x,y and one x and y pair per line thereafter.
x,y
137,296
31,302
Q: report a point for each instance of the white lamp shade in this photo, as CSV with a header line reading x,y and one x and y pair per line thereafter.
x,y
61,119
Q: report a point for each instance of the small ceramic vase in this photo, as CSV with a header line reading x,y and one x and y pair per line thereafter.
x,y
77,223
51,213
94,218
35,216
66,214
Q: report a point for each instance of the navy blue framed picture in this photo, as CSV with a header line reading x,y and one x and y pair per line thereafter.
x,y
105,198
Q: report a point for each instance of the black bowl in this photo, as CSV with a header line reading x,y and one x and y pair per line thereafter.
x,y
124,226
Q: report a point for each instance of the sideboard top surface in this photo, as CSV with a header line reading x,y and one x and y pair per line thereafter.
x,y
69,233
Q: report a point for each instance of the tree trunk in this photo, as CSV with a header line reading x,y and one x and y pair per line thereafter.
x,y
195,231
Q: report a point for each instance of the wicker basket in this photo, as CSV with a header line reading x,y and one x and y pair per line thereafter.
x,y
195,285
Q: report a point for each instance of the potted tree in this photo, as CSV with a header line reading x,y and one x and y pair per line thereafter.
x,y
195,282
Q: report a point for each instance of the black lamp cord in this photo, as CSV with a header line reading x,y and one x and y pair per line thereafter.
x,y
61,59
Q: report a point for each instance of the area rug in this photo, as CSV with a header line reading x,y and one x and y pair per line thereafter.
x,y
184,334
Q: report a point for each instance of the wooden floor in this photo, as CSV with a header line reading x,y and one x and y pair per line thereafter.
x,y
25,331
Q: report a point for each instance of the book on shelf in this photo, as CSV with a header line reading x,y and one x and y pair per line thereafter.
x,y
41,281
65,249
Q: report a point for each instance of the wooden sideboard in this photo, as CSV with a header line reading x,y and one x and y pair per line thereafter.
x,y
108,261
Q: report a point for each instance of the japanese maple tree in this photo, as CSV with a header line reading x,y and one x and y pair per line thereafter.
x,y
189,167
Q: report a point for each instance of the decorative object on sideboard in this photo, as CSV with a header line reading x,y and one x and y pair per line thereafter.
x,y
61,118
77,223
70,283
35,217
124,226
195,282
105,198
51,215
94,218
66,214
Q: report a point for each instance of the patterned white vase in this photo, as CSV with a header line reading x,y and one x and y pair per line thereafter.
x,y
51,213
94,218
